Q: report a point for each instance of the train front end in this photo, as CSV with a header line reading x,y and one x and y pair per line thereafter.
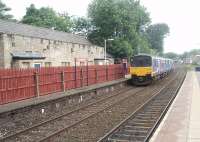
x,y
141,69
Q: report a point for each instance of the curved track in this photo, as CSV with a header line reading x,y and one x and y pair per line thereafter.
x,y
141,124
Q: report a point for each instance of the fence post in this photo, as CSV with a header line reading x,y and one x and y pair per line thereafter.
x,y
81,77
115,71
106,72
75,77
87,75
63,80
96,75
37,84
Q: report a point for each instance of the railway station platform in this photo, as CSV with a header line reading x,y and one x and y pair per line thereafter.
x,y
182,121
54,96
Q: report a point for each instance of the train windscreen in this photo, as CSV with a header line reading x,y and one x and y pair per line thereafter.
x,y
141,61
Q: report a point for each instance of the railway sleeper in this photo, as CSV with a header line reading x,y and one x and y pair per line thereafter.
x,y
139,124
131,133
145,117
150,114
141,128
152,111
135,131
143,120
119,137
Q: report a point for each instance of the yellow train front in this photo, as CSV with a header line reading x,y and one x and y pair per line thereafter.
x,y
145,68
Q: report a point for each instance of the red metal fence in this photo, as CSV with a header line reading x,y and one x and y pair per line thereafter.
x,y
20,84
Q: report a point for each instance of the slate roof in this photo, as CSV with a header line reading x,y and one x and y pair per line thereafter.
x,y
27,55
37,32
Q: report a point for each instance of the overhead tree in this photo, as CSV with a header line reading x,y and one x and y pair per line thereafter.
x,y
156,34
4,11
119,19
81,26
48,18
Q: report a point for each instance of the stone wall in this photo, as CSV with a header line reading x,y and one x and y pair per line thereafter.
x,y
1,51
57,53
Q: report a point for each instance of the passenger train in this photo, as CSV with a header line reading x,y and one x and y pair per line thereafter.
x,y
146,68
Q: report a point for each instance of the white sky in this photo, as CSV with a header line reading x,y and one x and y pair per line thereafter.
x,y
182,16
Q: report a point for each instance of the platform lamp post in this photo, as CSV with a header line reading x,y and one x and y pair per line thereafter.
x,y
105,41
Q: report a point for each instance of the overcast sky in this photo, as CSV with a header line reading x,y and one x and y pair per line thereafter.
x,y
182,16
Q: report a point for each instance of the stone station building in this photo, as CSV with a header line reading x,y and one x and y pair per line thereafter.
x,y
25,46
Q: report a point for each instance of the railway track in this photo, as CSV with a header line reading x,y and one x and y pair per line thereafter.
x,y
76,134
47,130
43,130
142,123
22,119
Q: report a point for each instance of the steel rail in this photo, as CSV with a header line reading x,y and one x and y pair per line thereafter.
x,y
150,134
93,114
105,137
68,127
65,114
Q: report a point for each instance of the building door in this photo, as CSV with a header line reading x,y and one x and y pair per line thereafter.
x,y
37,65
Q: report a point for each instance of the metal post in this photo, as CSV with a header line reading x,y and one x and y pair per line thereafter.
x,y
63,80
105,50
81,77
105,58
37,84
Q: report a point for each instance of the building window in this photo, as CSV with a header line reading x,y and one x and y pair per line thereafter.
x,y
56,42
41,41
1,36
65,64
90,63
29,52
47,64
73,45
12,39
48,46
72,49
37,65
89,49
13,44
82,63
25,65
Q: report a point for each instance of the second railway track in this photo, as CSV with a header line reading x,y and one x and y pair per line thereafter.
x,y
141,124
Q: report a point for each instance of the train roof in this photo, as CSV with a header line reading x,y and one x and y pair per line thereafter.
x,y
155,57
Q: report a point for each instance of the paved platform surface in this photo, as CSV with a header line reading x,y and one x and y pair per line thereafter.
x,y
182,122
41,99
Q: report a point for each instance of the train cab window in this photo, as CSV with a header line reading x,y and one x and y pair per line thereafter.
x,y
141,61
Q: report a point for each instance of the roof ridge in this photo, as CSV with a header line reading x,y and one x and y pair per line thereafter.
x,y
32,26
18,28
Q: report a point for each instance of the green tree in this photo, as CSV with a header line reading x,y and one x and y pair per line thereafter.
x,y
156,34
171,55
119,19
81,26
120,48
3,11
48,18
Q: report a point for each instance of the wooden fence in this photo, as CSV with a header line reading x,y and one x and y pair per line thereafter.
x,y
20,84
